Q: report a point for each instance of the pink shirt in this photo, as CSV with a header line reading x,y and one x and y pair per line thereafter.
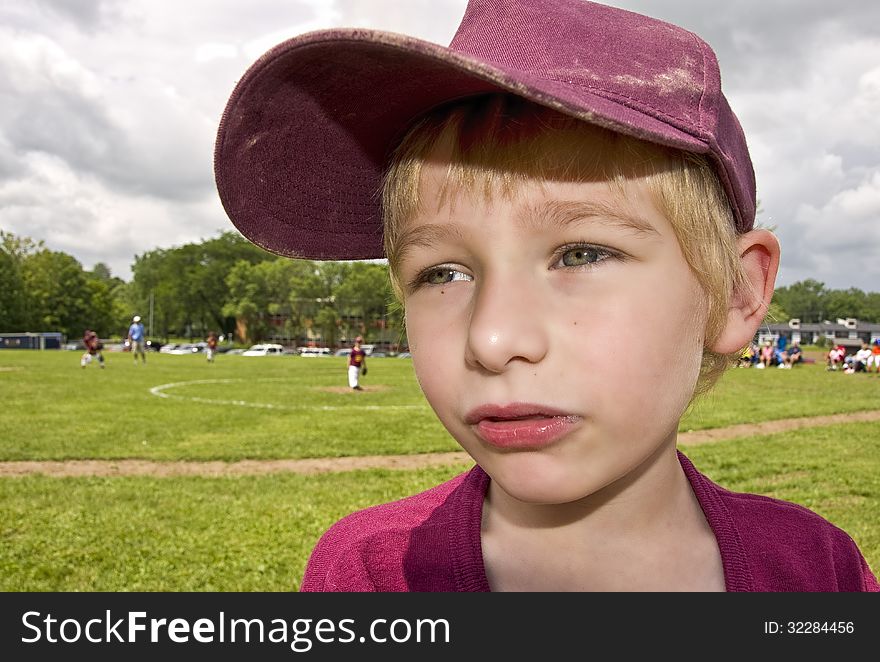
x,y
431,542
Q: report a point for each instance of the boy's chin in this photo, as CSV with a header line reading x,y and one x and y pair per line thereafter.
x,y
542,486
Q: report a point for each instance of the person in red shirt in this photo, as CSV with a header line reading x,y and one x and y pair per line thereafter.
x,y
875,356
93,347
357,364
212,346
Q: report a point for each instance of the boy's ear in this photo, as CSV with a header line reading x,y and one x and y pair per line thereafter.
x,y
759,252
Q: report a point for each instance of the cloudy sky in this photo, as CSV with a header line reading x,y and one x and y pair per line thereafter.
x,y
109,108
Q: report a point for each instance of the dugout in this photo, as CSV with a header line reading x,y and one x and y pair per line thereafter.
x,y
29,340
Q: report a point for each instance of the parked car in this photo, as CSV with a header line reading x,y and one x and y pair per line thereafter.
x,y
234,350
265,349
167,349
343,352
185,348
314,351
404,355
378,355
115,347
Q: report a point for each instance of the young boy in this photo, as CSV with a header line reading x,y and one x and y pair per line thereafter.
x,y
357,365
211,346
560,178
93,347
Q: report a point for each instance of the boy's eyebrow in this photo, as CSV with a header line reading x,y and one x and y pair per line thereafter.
x,y
550,214
427,236
561,213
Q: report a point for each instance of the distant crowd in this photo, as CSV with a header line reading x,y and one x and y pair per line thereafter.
x,y
785,355
866,359
781,355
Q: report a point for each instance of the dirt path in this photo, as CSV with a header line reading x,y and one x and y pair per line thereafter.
x,y
323,465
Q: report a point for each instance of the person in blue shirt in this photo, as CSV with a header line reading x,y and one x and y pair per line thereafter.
x,y
794,354
136,339
782,342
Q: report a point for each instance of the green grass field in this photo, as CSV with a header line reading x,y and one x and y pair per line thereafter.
x,y
255,532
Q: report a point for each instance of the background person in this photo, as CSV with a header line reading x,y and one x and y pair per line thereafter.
x,y
795,354
357,364
747,355
875,356
780,358
835,357
94,349
137,340
211,348
862,358
782,343
767,354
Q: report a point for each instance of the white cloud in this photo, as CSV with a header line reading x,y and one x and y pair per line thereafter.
x,y
841,235
214,50
815,142
79,214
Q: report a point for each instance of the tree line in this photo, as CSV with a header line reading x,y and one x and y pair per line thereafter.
x,y
225,284
228,285
810,301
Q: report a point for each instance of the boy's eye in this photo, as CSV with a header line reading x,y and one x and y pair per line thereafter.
x,y
441,276
579,256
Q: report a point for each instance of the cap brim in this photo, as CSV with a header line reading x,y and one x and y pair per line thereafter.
x,y
307,133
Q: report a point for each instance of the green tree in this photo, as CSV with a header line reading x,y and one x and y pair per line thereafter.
x,y
313,297
364,298
804,300
871,310
846,303
110,296
19,247
62,295
258,294
154,277
14,305
102,272
188,283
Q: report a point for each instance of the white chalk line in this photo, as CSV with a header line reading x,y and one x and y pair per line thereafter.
x,y
159,391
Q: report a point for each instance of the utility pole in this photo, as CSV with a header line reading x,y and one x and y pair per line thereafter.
x,y
151,313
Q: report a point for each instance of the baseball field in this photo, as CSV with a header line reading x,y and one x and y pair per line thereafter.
x,y
186,476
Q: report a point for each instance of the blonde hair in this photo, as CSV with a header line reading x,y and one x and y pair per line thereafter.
x,y
494,142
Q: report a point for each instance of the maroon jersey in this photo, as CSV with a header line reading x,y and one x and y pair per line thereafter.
x,y
90,340
357,356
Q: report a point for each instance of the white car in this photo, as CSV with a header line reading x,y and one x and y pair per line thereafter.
x,y
314,351
185,348
268,349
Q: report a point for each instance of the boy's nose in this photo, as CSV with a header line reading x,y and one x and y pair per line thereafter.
x,y
506,325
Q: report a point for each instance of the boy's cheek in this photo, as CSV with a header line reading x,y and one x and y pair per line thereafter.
x,y
430,341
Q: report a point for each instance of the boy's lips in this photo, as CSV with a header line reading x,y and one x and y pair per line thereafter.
x,y
520,425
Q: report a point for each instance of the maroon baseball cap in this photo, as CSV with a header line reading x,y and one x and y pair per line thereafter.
x,y
308,131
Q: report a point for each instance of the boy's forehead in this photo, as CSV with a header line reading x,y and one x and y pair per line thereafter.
x,y
535,202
